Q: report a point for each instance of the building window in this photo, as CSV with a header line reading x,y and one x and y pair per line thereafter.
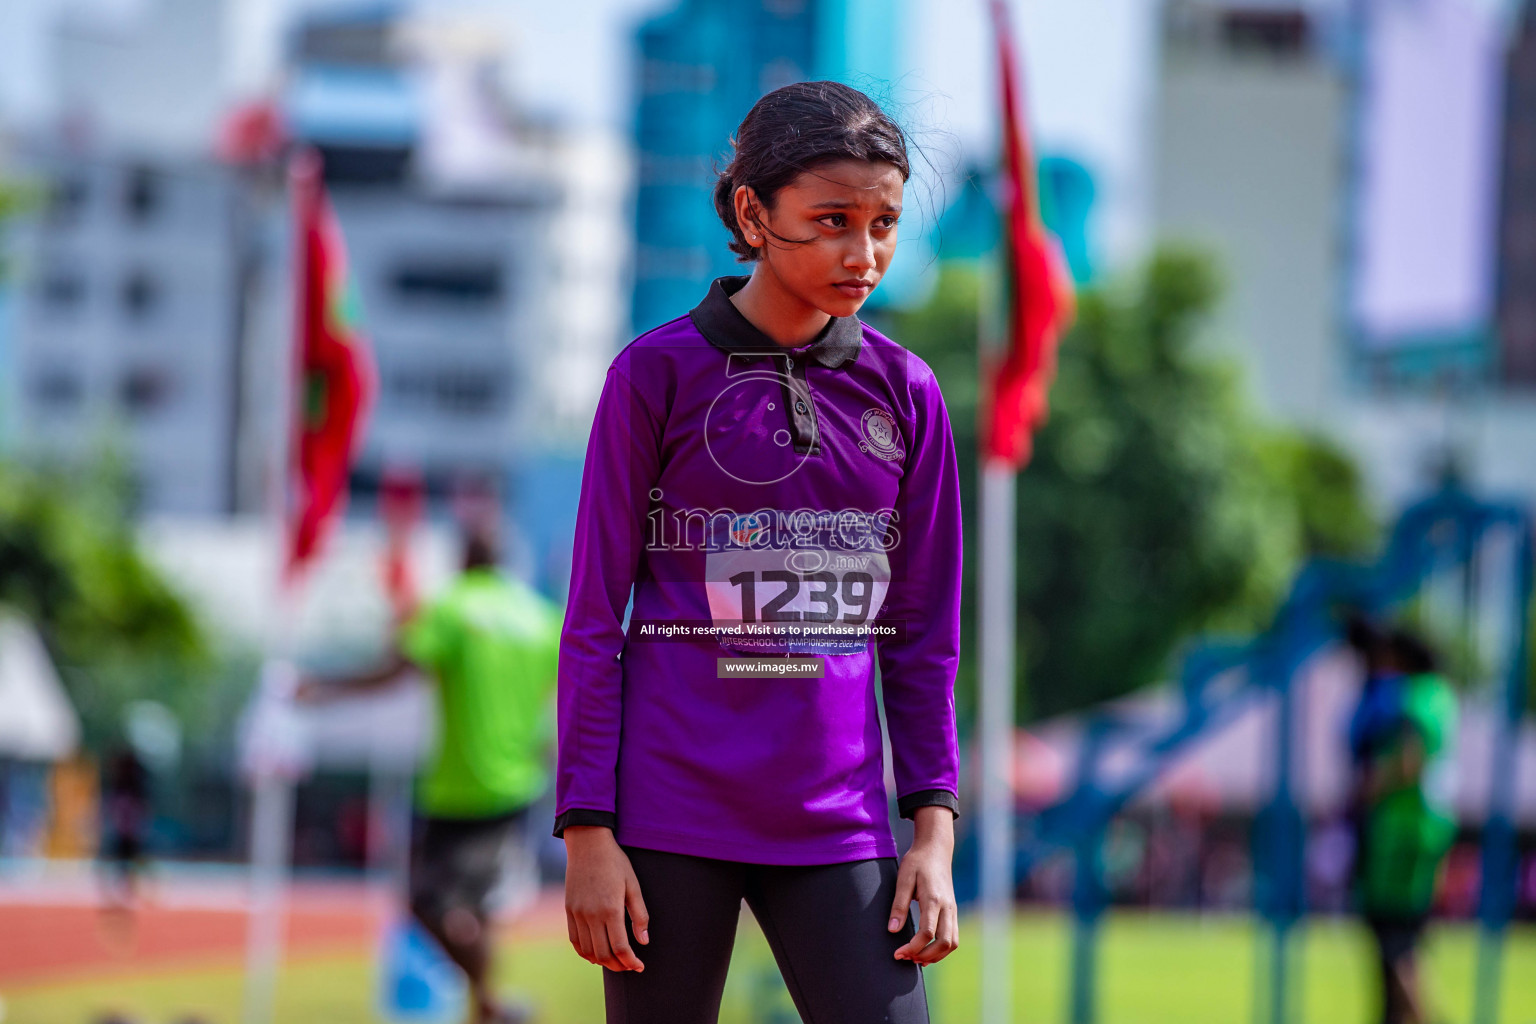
x,y
61,289
67,195
349,43
143,194
459,391
467,393
144,390
57,390
141,294
1278,33
467,283
665,76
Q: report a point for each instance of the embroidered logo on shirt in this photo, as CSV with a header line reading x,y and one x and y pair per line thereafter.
x,y
880,437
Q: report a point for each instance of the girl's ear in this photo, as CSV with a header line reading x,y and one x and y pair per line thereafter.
x,y
747,211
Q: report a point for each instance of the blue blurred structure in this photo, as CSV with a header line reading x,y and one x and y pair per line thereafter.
x,y
417,981
1066,198
968,231
1450,532
701,67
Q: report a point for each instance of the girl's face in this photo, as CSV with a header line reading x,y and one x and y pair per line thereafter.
x,y
841,220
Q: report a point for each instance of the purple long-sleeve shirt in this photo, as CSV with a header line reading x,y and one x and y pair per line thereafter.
x,y
746,491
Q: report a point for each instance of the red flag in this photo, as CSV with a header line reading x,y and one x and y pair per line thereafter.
x,y
1040,289
334,375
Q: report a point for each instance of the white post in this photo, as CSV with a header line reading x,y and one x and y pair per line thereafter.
x,y
271,837
996,735
276,752
273,756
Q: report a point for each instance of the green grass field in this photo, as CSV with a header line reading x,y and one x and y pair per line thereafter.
x,y
1156,969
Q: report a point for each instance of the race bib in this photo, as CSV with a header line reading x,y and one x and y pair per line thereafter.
x,y
794,599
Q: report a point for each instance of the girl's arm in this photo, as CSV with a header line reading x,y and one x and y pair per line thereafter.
x,y
924,875
621,467
917,669
600,885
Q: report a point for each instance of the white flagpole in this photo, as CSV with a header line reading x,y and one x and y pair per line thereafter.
x,y
995,729
271,837
271,767
996,732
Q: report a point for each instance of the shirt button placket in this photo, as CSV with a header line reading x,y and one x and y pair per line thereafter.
x,y
800,408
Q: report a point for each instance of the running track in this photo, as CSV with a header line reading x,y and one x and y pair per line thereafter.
x,y
54,930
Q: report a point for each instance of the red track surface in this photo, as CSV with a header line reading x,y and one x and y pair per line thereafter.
x,y
43,942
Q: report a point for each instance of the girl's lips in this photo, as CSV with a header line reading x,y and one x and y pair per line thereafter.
x,y
855,289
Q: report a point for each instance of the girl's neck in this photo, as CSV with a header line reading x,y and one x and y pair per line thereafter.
x,y
772,309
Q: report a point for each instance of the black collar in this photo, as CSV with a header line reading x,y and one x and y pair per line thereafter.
x,y
718,319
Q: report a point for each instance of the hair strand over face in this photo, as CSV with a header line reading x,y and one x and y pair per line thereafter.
x,y
794,129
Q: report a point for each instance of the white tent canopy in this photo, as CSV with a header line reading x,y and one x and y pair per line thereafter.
x,y
37,721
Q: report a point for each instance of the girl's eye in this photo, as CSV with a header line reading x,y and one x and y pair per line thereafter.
x,y
887,222
837,217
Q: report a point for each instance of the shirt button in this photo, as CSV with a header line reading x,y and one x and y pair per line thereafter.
x,y
800,407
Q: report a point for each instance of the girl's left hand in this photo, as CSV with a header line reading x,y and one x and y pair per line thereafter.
x,y
924,876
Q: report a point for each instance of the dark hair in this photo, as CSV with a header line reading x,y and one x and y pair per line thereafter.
x,y
1412,654
1363,634
481,550
791,130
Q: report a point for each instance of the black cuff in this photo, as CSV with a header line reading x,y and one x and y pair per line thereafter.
x,y
907,805
583,816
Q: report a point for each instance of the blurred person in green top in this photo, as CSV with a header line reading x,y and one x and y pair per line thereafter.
x,y
1401,736
490,645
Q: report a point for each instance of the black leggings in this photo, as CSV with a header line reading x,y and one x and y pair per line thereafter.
x,y
826,925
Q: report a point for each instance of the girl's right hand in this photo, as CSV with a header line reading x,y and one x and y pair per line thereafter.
x,y
600,885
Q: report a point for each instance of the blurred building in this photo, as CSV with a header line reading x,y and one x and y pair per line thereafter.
x,y
128,326
1517,210
150,75
444,247
701,67
1342,160
488,248
1249,113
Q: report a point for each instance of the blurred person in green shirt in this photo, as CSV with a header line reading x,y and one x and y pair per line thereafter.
x,y
1402,735
490,645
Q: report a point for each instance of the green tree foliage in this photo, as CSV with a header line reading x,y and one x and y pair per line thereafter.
x,y
69,563
16,197
1156,505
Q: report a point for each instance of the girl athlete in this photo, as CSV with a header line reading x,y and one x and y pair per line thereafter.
x,y
777,482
